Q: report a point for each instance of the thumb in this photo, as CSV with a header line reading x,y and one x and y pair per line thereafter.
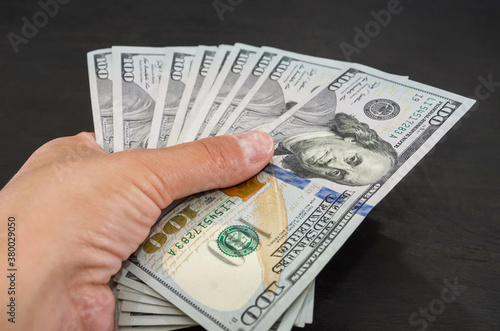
x,y
170,173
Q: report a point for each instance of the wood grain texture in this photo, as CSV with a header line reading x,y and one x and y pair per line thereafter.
x,y
442,221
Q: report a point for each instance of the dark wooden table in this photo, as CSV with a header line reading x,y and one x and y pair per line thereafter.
x,y
441,223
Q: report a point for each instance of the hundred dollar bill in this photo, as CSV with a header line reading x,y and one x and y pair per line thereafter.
x,y
241,56
129,290
249,76
128,279
292,313
143,319
137,75
235,259
308,311
130,283
177,63
101,94
291,79
126,288
152,328
218,62
143,298
137,307
306,306
199,69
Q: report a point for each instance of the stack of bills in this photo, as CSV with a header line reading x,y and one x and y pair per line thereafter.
x,y
245,258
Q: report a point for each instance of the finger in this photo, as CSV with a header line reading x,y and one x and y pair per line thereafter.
x,y
218,162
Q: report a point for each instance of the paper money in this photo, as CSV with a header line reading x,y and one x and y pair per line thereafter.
x,y
131,306
292,313
292,78
297,308
101,85
178,62
131,318
241,56
218,62
249,76
137,75
261,243
143,298
200,67
307,312
245,258
126,278
153,294
153,328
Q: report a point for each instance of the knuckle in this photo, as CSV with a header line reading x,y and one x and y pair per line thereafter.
x,y
224,157
82,139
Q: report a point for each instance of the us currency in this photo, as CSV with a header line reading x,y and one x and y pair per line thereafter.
x,y
177,63
137,307
101,85
126,306
218,62
289,317
126,278
307,312
240,57
200,67
125,288
138,290
137,76
129,283
131,319
292,78
128,290
249,76
121,287
143,298
307,307
152,328
237,258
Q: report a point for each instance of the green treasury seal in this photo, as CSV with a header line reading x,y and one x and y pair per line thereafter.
x,y
238,240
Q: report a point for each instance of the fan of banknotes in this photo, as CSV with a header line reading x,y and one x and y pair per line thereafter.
x,y
245,258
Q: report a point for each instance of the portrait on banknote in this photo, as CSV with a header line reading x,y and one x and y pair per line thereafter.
x,y
318,142
344,151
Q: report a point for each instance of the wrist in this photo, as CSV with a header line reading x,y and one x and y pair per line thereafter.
x,y
35,283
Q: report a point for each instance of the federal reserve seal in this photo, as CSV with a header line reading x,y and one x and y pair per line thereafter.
x,y
381,109
238,240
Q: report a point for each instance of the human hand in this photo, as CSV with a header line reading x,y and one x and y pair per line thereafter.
x,y
80,212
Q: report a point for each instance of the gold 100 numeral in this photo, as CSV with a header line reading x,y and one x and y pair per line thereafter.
x,y
173,225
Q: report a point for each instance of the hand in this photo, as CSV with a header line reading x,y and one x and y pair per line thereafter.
x,y
80,212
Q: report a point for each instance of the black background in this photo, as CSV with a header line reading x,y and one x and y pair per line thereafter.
x,y
441,222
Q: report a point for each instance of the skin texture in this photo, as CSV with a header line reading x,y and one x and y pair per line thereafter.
x,y
80,212
341,160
